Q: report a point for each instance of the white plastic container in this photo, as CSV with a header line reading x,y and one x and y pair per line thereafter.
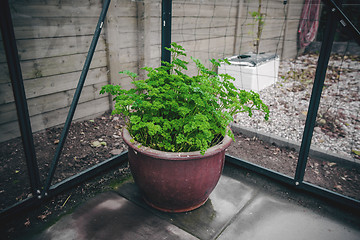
x,y
252,71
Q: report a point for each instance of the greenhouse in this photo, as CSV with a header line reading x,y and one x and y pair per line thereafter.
x,y
180,119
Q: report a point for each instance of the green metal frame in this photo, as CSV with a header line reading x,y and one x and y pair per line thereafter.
x,y
49,190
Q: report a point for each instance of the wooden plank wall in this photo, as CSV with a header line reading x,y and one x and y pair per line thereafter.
x,y
134,37
53,38
216,29
280,30
205,28
294,9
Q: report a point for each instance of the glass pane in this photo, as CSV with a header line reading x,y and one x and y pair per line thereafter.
x,y
53,40
229,29
337,133
336,139
14,180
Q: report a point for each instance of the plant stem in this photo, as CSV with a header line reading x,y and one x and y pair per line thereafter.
x,y
259,28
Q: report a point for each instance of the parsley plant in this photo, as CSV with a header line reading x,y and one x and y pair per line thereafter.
x,y
171,111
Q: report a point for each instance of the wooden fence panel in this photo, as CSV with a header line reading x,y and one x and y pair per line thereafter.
x,y
53,38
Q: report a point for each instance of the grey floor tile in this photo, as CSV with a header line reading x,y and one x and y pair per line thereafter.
x,y
206,222
110,216
270,218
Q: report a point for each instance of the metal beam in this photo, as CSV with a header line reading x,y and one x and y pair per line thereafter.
x,y
12,57
76,97
320,74
343,19
166,14
259,169
64,185
88,173
308,187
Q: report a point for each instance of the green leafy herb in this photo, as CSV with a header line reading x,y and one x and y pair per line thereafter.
x,y
171,111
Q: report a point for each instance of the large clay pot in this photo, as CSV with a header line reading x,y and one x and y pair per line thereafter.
x,y
175,182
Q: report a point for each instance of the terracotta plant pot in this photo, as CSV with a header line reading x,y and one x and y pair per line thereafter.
x,y
175,182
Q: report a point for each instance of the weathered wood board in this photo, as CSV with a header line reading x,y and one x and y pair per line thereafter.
x,y
53,38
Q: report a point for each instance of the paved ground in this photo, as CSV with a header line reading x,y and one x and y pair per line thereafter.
x,y
242,206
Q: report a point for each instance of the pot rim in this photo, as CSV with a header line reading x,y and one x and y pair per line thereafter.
x,y
137,147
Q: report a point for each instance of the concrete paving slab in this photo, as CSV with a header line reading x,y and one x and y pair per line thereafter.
x,y
244,205
270,218
110,216
206,222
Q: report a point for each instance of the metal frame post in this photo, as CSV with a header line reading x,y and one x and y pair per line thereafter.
x,y
11,52
76,97
343,19
25,127
166,14
320,74
15,73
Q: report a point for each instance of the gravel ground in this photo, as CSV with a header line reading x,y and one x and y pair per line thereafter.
x,y
338,121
